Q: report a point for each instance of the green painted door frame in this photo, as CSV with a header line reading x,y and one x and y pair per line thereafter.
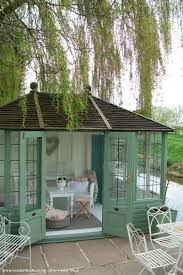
x,y
35,216
118,182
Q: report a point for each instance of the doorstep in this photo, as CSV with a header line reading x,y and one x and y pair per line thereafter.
x,y
72,237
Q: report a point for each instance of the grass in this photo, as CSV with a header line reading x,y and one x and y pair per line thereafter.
x,y
175,148
175,157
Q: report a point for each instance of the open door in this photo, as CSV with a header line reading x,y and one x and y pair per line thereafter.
x,y
118,178
32,182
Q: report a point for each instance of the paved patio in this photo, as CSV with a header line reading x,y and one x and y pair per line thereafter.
x,y
93,257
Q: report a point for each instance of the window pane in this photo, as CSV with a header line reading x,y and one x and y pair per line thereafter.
x,y
1,136
149,165
14,137
14,154
1,152
14,168
32,152
32,174
14,181
119,168
1,168
1,191
14,198
31,168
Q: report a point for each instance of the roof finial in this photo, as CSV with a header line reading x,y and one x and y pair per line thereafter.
x,y
33,86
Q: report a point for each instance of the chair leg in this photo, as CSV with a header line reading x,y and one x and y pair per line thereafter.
x,y
83,209
30,255
86,212
80,209
142,270
150,270
172,271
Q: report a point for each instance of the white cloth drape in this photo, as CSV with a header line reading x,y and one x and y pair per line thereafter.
x,y
72,155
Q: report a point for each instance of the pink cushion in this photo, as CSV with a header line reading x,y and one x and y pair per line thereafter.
x,y
55,214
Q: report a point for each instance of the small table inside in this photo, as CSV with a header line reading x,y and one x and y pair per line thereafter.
x,y
54,192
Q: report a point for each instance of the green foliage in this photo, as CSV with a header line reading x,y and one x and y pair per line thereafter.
x,y
175,148
172,117
73,108
71,44
161,114
10,73
145,37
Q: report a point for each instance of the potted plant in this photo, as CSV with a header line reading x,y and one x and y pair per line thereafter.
x,y
61,183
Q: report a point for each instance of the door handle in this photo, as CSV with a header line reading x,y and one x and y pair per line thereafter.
x,y
129,178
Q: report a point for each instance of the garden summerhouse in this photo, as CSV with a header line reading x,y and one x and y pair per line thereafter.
x,y
124,152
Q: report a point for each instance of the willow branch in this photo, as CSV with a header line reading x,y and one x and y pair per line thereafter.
x,y
11,8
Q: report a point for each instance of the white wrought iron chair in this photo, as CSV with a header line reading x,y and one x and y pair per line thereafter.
x,y
11,244
150,259
156,217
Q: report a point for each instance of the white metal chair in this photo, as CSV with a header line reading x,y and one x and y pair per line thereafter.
x,y
150,259
156,217
11,244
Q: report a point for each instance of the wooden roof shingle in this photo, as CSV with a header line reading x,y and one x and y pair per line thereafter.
x,y
99,115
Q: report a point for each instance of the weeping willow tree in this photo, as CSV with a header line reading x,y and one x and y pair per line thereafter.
x,y
71,44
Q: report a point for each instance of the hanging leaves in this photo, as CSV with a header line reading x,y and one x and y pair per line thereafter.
x,y
70,44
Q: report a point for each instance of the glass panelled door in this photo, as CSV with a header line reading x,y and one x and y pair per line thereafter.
x,y
119,175
32,185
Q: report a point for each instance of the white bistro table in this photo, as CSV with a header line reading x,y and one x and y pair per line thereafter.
x,y
54,192
175,229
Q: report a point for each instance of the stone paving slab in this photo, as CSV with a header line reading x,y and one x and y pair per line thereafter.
x,y
38,262
60,273
103,251
64,255
123,245
92,257
130,267
98,270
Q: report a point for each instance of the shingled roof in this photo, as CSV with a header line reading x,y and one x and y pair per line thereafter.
x,y
100,115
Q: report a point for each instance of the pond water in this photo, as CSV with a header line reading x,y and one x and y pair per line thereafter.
x,y
174,198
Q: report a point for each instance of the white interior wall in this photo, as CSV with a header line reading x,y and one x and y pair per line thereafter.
x,y
72,156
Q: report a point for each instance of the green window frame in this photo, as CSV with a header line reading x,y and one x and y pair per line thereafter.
x,y
9,168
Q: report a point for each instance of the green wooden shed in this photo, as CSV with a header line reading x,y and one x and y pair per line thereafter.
x,y
126,151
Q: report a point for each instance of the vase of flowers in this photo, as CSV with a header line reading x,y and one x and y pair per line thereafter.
x,y
61,183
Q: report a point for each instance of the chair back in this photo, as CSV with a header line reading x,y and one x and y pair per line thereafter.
x,y
92,186
157,216
137,240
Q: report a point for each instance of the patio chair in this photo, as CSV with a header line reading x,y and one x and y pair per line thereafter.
x,y
85,200
150,259
156,217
